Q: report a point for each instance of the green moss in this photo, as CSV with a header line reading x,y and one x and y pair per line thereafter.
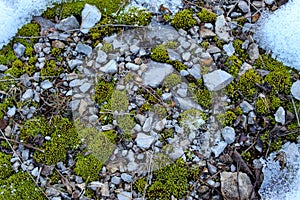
x,y
167,133
140,185
88,167
279,80
135,16
205,44
51,69
105,117
119,101
17,68
172,80
159,54
274,144
7,102
99,31
171,44
207,16
28,30
266,62
126,123
167,17
56,52
200,94
5,166
32,60
29,51
33,127
177,65
191,120
227,118
20,186
159,110
183,19
7,55
234,64
103,91
145,107
112,136
239,51
107,47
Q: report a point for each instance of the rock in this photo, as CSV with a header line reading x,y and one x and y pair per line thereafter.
x,y
228,134
253,51
27,95
110,68
269,2
116,180
19,49
68,24
76,82
58,44
186,103
222,29
124,196
246,107
219,148
3,68
11,111
206,33
295,90
166,96
245,8
93,118
280,115
173,55
85,87
156,73
105,190
244,68
144,141
175,153
90,16
211,168
186,56
101,57
74,63
251,118
217,80
229,49
132,66
38,47
229,185
126,177
85,49
35,172
182,92
46,84
148,124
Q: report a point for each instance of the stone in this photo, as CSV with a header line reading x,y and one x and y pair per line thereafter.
x,y
132,66
245,8
19,49
222,29
186,103
217,80
58,44
144,141
27,95
90,16
35,172
148,124
211,168
126,177
85,49
85,87
253,51
74,63
156,73
124,196
280,115
233,190
182,92
110,68
228,133
68,24
176,153
11,111
246,107
3,68
76,82
244,68
93,118
173,55
116,180
295,90
219,148
229,49
46,84
105,190
186,56
269,2
206,33
101,57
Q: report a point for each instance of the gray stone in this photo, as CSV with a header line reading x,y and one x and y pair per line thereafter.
x,y
134,49
244,68
126,177
76,82
140,119
217,80
74,104
132,166
228,134
229,49
295,90
105,190
246,107
173,55
132,66
229,186
124,196
253,51
222,29
213,49
101,57
67,24
25,154
144,141
35,172
74,63
211,168
186,103
244,6
47,50
280,115
166,96
251,118
206,33
85,87
46,84
116,180
110,68
219,148
186,56
182,92
148,124
90,16
19,49
85,49
27,95
176,153
3,68
156,73
11,111
93,118
269,2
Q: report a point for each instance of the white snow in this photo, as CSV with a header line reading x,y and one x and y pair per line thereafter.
x,y
279,32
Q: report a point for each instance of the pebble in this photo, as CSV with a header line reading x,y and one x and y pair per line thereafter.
x,y
46,84
35,172
144,141
11,111
229,49
222,29
126,177
3,68
27,95
244,6
280,115
67,24
246,107
19,49
90,15
110,68
124,196
295,90
85,49
217,80
116,180
85,87
74,63
132,66
228,133
219,148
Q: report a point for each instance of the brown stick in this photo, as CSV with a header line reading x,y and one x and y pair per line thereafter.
x,y
26,145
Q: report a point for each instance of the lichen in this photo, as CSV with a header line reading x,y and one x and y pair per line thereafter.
x,y
183,20
159,110
126,123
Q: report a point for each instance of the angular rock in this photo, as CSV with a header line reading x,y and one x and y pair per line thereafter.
x,y
206,33
228,134
126,177
116,180
244,6
110,68
67,24
246,107
85,49
85,87
90,16
280,115
144,141
27,95
219,148
217,80
229,49
132,66
11,111
253,51
19,49
46,84
101,57
124,196
74,63
222,29
295,90
230,189
3,68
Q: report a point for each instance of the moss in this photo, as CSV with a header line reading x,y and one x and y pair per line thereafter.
x,y
119,101
107,47
99,31
88,167
7,102
227,118
191,120
159,110
145,107
205,44
56,52
166,133
28,30
126,123
20,186
183,19
266,62
234,64
33,127
167,17
51,69
177,65
32,60
265,105
171,44
239,51
7,55
207,16
172,80
5,166
274,144
29,51
104,116
279,80
112,136
159,54
200,94
17,69
103,91
246,155
140,185
135,16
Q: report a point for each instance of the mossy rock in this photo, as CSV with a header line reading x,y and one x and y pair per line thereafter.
x,y
183,20
207,16
107,47
88,167
159,110
20,186
135,16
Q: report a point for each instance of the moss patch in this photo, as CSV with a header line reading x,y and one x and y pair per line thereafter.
x,y
135,16
183,19
207,16
88,167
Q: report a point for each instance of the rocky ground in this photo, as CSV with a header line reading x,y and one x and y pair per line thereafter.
x,y
171,110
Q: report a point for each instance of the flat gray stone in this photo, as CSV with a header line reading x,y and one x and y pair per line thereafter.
x,y
3,68
246,107
74,63
219,148
195,71
90,16
116,180
85,49
295,90
156,73
101,57
222,29
110,68
229,49
76,82
245,8
124,196
19,49
46,84
144,141
228,133
11,111
28,94
280,115
67,24
217,80
85,87
126,177
253,51
132,66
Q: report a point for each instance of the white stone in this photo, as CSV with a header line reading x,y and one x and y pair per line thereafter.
x,y
46,84
280,115
67,24
217,80
295,90
222,29
228,134
110,68
27,95
229,49
124,196
90,16
144,141
132,66
11,111
219,148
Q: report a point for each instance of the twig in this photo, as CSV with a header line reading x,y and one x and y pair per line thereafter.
x,y
26,145
296,113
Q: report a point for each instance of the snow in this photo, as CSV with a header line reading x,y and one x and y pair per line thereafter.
x,y
279,32
15,13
